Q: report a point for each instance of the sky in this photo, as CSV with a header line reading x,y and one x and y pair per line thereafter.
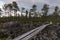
x,y
28,3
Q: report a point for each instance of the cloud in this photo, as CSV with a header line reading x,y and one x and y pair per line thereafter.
x,y
1,3
28,3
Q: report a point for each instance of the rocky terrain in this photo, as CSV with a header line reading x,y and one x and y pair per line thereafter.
x,y
14,29
51,32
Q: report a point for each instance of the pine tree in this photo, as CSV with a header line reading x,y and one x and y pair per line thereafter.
x,y
45,9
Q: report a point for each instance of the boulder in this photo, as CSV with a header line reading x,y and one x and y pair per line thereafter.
x,y
11,24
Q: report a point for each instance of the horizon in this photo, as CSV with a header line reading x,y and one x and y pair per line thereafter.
x,y
27,4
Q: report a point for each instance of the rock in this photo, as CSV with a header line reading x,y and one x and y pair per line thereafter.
x,y
2,32
58,33
11,24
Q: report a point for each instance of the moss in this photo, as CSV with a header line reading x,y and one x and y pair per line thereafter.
x,y
3,38
1,26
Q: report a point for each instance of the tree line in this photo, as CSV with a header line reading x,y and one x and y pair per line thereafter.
x,y
14,6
